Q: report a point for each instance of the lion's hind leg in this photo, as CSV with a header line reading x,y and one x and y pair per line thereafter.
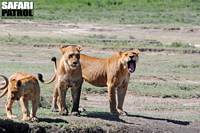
x,y
25,110
35,104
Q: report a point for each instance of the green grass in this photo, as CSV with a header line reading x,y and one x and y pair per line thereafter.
x,y
168,107
168,75
120,11
170,66
165,90
94,41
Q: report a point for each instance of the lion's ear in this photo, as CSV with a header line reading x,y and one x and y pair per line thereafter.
x,y
136,51
120,53
79,48
19,83
63,49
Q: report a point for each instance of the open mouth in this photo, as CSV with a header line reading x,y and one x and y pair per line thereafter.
x,y
74,65
131,66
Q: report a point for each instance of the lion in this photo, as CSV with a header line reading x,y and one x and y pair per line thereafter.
x,y
23,87
112,72
68,75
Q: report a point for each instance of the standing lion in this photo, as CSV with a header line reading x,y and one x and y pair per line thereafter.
x,y
68,76
112,72
23,87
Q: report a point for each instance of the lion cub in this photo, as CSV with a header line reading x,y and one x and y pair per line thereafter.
x,y
68,75
23,87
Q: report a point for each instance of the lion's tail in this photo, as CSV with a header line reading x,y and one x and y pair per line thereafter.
x,y
4,88
4,92
6,84
40,76
55,63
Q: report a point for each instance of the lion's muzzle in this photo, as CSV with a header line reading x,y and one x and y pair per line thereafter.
x,y
75,64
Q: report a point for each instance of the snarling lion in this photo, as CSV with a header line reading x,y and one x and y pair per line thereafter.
x,y
112,72
23,87
68,75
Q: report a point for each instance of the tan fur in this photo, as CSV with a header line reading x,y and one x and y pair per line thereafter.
x,y
68,75
23,87
111,72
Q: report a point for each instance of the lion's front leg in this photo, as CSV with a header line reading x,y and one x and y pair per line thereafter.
x,y
55,100
25,110
62,100
112,99
121,92
76,93
8,107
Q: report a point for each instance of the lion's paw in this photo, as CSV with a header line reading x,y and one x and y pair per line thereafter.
x,y
75,113
122,113
34,119
63,112
81,109
27,118
12,116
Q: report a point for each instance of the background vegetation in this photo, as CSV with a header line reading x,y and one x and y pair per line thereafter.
x,y
120,11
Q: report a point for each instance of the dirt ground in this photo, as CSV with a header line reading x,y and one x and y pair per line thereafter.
x,y
134,122
105,122
144,123
161,33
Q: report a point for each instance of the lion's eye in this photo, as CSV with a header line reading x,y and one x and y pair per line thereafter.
x,y
70,56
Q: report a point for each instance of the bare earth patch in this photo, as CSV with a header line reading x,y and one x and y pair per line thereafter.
x,y
103,121
159,33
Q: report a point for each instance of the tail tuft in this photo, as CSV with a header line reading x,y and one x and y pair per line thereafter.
x,y
53,59
40,77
